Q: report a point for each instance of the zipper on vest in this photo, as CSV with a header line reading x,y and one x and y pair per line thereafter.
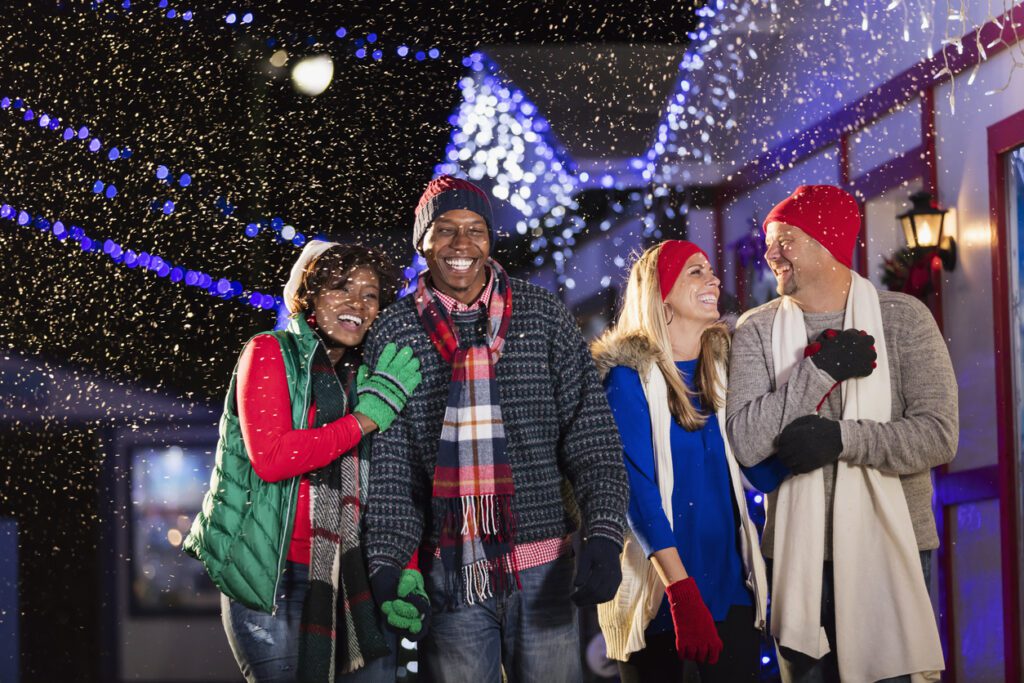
x,y
281,552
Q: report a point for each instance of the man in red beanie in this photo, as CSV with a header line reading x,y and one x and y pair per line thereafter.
x,y
506,448
853,389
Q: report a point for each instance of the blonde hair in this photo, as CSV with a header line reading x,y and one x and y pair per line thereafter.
x,y
643,314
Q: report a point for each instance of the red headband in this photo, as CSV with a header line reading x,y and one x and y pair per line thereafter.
x,y
672,256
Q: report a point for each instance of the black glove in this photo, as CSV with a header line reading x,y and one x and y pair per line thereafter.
x,y
809,442
403,601
384,584
846,354
598,572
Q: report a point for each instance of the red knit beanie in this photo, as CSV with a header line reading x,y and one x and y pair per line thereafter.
x,y
446,193
672,256
829,214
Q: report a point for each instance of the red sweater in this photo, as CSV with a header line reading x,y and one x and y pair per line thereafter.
x,y
276,450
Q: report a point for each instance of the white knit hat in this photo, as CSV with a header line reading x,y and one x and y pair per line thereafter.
x,y
312,250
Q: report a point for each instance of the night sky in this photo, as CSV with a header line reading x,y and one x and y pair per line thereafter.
x,y
201,98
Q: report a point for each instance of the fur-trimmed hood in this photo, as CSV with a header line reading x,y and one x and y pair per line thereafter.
x,y
633,350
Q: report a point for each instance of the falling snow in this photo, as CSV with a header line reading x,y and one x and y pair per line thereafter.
x,y
159,168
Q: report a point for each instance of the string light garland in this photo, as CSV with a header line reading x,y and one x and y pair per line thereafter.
x,y
690,106
369,46
223,288
54,123
499,136
284,232
956,28
183,179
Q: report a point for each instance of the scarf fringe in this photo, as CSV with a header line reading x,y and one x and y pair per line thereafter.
x,y
489,518
491,523
486,516
487,578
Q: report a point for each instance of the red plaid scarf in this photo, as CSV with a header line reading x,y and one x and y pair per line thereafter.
x,y
473,475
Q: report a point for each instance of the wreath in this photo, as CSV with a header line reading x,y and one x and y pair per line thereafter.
x,y
909,271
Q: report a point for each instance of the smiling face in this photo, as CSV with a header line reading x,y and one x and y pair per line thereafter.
x,y
345,311
456,248
694,295
795,257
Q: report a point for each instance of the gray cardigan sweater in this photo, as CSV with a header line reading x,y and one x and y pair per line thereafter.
x,y
562,441
924,428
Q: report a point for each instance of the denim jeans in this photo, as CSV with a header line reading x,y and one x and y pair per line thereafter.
x,y
533,633
797,667
266,646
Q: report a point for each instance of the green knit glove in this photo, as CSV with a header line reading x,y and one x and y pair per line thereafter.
x,y
384,392
409,613
411,583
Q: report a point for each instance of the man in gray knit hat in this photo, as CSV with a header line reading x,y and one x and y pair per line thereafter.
x,y
506,449
860,415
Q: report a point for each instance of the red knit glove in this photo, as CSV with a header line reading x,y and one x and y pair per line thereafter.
x,y
696,636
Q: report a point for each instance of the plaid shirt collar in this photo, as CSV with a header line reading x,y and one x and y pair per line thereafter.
x,y
452,305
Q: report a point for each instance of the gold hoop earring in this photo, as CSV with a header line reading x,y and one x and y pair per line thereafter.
x,y
669,314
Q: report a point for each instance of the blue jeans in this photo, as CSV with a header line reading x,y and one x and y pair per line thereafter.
x,y
266,646
532,633
804,669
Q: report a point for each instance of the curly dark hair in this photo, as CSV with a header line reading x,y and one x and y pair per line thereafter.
x,y
331,269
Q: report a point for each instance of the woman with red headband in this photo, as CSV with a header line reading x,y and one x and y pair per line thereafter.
x,y
694,584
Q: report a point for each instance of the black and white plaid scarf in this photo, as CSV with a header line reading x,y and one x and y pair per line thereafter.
x,y
339,631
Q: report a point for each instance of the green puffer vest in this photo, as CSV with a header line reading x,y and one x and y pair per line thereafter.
x,y
242,533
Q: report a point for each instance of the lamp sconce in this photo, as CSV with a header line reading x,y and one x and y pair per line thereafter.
x,y
925,229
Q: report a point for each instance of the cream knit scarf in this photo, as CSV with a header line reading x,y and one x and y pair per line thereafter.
x,y
885,626
624,619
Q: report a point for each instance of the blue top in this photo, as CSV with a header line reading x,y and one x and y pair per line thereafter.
x,y
706,523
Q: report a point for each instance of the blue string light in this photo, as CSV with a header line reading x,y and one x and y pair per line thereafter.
x,y
286,233
239,18
129,258
54,123
221,287
681,114
109,191
500,135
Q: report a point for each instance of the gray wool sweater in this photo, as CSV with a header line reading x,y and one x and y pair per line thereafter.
x,y
562,441
924,428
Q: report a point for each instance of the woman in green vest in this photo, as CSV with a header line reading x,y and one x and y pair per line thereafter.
x,y
279,532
